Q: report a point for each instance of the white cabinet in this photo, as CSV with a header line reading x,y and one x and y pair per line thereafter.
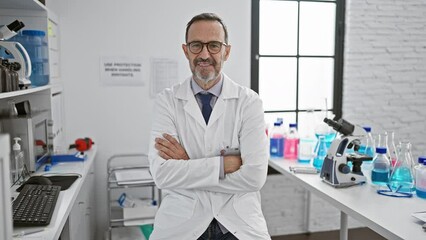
x,y
81,218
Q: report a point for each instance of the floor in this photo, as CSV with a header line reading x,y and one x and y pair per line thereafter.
x,y
354,234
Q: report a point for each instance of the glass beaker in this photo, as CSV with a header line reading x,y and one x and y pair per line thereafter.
x,y
402,176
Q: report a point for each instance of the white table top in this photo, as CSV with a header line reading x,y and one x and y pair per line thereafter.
x,y
65,200
388,216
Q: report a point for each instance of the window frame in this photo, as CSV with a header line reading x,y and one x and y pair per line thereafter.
x,y
338,56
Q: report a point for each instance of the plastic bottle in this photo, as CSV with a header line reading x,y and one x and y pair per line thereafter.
x,y
421,178
419,164
34,42
307,139
367,144
381,167
291,146
17,160
276,141
320,152
402,175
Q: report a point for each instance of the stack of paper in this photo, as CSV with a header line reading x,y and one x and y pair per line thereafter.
x,y
133,176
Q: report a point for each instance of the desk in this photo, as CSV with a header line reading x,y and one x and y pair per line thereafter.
x,y
388,216
66,200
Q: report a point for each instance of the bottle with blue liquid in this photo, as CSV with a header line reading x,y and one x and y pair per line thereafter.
x,y
421,178
381,168
402,177
276,141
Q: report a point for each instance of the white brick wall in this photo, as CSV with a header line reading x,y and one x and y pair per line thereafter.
x,y
384,87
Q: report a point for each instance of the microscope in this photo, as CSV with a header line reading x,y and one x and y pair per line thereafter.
x,y
335,170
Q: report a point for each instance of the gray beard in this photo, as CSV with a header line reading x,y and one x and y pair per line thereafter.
x,y
205,79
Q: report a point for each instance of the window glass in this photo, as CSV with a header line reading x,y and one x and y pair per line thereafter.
x,y
277,83
278,28
317,28
316,76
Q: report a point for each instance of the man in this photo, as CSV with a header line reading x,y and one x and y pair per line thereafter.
x,y
208,147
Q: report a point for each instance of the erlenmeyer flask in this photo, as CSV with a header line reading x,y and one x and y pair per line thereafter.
x,y
383,143
320,152
402,176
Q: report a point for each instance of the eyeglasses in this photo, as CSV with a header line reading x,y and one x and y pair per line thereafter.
x,y
213,47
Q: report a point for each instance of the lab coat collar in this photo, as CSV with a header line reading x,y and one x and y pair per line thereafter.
x,y
229,89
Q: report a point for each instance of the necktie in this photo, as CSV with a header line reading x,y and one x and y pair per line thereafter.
x,y
206,109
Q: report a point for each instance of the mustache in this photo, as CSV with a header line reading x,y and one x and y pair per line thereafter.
x,y
207,60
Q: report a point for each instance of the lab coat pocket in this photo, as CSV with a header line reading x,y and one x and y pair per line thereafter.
x,y
175,210
248,208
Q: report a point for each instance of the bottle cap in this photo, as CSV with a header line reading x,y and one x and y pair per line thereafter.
x,y
367,129
422,159
380,150
277,124
16,146
293,125
33,33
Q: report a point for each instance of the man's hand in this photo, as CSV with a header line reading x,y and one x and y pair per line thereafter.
x,y
169,148
231,163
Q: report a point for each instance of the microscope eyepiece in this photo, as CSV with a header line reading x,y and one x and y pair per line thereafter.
x,y
342,126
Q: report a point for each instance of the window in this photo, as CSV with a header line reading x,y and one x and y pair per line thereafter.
x,y
297,57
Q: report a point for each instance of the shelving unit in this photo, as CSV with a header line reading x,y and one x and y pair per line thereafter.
x,y
35,15
116,214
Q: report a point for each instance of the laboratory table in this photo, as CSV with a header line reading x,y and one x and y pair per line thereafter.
x,y
388,216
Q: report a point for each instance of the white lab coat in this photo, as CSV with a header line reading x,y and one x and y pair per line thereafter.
x,y
193,194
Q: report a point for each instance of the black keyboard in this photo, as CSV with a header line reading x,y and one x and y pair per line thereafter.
x,y
35,204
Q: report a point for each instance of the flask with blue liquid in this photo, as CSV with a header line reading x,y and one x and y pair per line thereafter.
x,y
381,167
320,152
402,177
367,144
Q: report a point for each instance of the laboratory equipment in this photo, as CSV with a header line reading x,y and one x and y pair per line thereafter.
x,y
381,168
10,30
421,178
307,140
127,172
276,141
320,153
82,144
367,144
393,151
402,174
35,43
335,170
18,54
291,146
35,131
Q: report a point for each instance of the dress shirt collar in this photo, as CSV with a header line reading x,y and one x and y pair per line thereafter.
x,y
215,90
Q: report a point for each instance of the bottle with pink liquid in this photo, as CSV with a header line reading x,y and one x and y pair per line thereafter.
x,y
291,143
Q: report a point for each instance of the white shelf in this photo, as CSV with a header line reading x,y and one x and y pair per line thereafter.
x,y
23,92
22,4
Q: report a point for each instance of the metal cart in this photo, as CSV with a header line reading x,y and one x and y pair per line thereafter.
x,y
126,162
